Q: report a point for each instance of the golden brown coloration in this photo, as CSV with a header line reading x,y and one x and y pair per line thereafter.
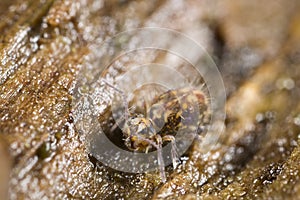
x,y
184,110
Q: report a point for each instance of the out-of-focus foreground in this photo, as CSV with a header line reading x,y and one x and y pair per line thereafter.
x,y
44,44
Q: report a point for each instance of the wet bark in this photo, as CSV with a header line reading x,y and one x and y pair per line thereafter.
x,y
46,44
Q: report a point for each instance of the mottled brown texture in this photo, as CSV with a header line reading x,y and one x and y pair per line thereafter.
x,y
45,45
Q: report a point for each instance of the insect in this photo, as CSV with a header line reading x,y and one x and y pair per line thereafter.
x,y
184,109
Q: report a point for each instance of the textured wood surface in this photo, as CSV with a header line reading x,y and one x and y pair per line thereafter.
x,y
45,44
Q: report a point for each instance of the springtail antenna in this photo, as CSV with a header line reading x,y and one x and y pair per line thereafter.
x,y
124,96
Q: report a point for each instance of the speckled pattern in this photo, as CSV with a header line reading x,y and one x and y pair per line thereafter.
x,y
45,44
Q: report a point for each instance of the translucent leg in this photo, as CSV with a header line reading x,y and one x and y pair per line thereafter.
x,y
161,163
174,154
160,159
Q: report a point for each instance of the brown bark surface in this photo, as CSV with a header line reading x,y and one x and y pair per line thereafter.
x,y
45,45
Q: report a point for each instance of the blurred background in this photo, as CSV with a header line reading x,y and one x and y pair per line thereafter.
x,y
45,44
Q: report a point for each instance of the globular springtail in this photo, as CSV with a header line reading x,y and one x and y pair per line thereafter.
x,y
166,112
